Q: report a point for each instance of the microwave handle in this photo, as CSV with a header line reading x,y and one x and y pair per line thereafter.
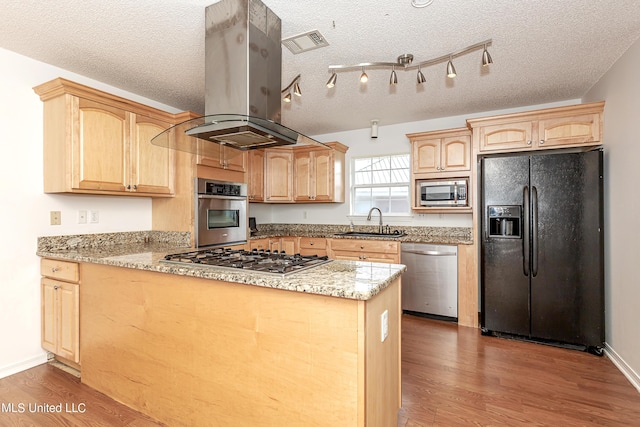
x,y
455,193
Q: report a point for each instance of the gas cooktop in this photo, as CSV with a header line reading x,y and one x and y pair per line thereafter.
x,y
263,261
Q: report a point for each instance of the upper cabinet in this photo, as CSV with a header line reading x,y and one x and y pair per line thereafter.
x,y
97,143
319,173
221,156
255,176
302,174
572,126
278,175
441,151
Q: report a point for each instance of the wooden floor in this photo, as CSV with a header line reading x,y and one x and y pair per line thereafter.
x,y
452,376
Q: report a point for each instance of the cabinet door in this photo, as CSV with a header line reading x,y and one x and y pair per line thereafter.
x,y
426,156
289,245
221,156
279,176
323,175
507,136
302,176
255,185
61,318
313,246
69,321
579,129
48,303
456,153
152,167
100,147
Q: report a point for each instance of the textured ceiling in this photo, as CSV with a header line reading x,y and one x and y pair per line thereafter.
x,y
543,51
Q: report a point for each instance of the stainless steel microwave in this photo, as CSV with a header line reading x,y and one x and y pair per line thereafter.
x,y
443,192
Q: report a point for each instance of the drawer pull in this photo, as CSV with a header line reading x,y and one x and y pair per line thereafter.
x,y
55,288
54,269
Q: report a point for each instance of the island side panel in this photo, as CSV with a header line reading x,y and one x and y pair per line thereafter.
x,y
383,359
190,351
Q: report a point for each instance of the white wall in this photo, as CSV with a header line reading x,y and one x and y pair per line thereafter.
x,y
25,208
620,87
391,139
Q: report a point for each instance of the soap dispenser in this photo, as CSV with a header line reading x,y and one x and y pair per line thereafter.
x,y
351,227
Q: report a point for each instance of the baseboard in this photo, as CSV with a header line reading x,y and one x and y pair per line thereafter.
x,y
626,370
23,365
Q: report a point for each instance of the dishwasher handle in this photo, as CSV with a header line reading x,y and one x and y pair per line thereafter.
x,y
431,253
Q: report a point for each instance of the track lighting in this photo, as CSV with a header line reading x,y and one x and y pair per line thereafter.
x,y
405,62
486,58
451,70
363,77
332,80
421,78
296,89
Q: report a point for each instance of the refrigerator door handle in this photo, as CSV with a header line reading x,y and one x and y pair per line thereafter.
x,y
525,231
534,231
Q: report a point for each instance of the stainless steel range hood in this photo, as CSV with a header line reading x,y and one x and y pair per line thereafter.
x,y
243,60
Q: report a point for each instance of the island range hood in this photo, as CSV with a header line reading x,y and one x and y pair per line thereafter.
x,y
243,61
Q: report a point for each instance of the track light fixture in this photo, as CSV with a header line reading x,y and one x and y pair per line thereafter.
x,y
296,89
405,62
421,78
393,80
451,70
332,80
363,77
486,58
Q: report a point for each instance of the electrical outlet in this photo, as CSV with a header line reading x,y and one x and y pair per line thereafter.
x,y
384,325
94,217
304,214
56,217
82,217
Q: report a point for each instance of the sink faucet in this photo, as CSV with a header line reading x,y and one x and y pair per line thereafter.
x,y
369,217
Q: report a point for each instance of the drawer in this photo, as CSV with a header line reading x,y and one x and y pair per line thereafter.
x,y
368,246
313,243
61,270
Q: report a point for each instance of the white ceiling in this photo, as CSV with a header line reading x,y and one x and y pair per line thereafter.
x,y
543,51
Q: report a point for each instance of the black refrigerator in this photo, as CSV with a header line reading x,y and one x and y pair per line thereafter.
x,y
542,260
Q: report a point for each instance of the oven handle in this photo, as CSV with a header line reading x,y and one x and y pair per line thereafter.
x,y
211,196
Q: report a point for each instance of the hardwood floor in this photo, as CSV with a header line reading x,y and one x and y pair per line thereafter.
x,y
452,376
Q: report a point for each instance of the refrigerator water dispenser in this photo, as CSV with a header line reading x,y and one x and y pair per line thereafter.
x,y
505,221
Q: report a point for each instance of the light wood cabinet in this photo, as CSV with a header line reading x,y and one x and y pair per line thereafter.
x,y
97,143
255,177
259,244
221,156
571,126
289,245
441,151
313,246
60,300
278,175
365,250
319,173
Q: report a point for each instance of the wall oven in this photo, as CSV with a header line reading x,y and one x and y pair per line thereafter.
x,y
220,213
443,192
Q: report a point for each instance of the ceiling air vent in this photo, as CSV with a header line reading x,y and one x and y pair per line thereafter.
x,y
304,42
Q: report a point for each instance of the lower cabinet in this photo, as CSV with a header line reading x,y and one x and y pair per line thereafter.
x,y
61,309
365,250
313,246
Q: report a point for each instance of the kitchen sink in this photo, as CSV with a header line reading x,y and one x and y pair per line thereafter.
x,y
393,234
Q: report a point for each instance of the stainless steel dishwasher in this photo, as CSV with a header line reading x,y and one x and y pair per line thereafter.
x,y
430,284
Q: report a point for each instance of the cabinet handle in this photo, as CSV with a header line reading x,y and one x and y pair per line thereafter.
x,y
54,269
529,142
135,187
437,168
361,247
128,187
55,288
541,141
441,169
311,243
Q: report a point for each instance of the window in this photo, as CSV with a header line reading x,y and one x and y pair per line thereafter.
x,y
381,181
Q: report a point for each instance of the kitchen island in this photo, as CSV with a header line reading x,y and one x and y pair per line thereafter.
x,y
205,346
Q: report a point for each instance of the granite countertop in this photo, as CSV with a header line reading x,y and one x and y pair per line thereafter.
x,y
344,279
435,235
